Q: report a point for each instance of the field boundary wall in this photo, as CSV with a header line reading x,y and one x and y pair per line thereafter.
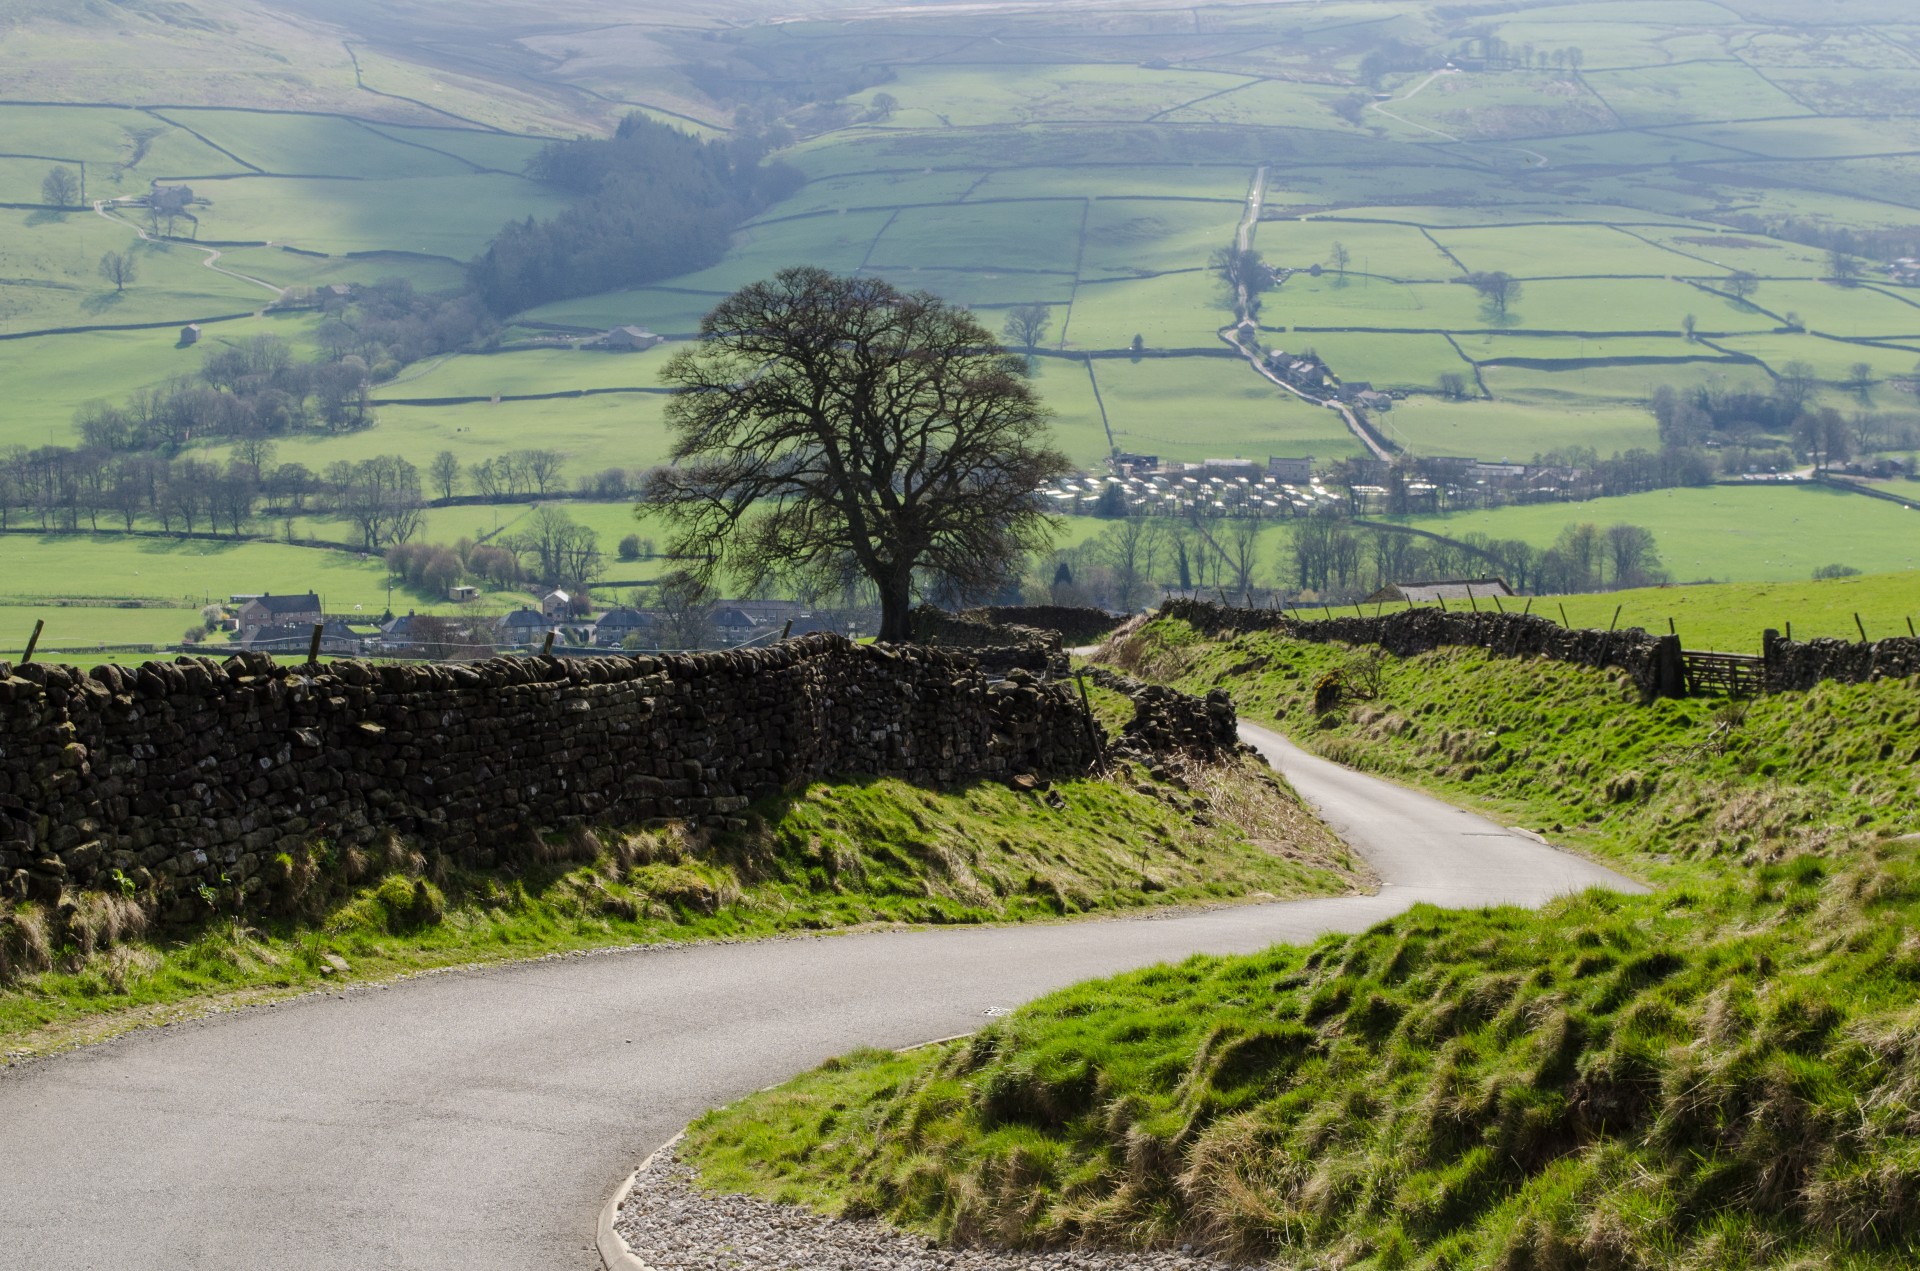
x,y
191,778
1656,664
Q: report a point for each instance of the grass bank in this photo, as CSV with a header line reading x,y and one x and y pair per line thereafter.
x,y
1720,1075
839,855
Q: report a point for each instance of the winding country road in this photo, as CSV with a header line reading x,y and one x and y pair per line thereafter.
x,y
479,1119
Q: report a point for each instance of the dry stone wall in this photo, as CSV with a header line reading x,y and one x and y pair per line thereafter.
x,y
1803,664
1650,661
193,773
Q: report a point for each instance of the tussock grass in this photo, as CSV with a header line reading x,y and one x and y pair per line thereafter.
x,y
836,855
1720,1075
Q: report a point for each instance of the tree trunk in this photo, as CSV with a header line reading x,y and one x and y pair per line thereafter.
x,y
896,610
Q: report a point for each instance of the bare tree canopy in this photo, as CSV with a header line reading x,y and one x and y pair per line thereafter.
x,y
119,268
827,428
1027,325
60,189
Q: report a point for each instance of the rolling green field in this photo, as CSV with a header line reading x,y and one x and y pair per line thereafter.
x,y
1092,166
1729,617
1730,533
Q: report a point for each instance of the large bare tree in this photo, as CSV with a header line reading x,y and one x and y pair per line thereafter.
x,y
828,428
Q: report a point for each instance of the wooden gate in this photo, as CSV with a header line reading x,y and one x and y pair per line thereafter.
x,y
1734,674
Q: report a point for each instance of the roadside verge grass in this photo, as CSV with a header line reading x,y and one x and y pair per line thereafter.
x,y
838,855
1719,1075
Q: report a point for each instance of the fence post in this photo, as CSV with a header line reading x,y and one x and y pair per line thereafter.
x,y
1910,631
33,641
1670,668
546,650
1863,628
1563,618
1616,619
1086,705
1769,656
313,644
787,630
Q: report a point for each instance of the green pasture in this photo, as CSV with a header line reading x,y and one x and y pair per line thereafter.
x,y
1486,348
527,372
1268,103
1196,408
840,243
622,430
1606,387
1837,48
1173,311
83,627
1127,236
1729,617
50,267
1077,427
1731,252
1852,90
1042,237
1188,180
1842,311
123,149
1693,93
1391,251
500,152
316,145
985,289
1516,429
1510,104
1809,138
668,312
1373,304
1388,361
1560,251
1621,304
1754,533
185,571
49,378
431,274
958,97
874,189
1831,360
1629,148
450,216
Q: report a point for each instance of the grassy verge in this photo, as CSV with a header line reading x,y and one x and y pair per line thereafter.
x,y
1721,1075
839,855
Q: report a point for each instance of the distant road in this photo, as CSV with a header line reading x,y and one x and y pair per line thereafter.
x,y
479,1119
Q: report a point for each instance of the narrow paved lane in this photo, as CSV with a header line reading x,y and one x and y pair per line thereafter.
x,y
478,1120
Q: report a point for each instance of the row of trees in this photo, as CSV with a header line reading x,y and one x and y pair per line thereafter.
x,y
550,548
254,388
1326,558
60,488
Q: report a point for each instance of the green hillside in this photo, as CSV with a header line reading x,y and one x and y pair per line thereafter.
x,y
1711,1076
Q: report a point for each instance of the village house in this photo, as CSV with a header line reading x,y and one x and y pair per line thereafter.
x,y
617,624
556,606
522,627
269,610
1291,471
292,640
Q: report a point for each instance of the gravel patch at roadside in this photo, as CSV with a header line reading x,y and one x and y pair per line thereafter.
x,y
671,1225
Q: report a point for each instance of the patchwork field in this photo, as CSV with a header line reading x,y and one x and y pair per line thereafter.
x,y
1090,166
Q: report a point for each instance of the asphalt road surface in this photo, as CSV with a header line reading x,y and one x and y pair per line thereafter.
x,y
480,1119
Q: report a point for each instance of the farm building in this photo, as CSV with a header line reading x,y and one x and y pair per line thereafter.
x,y
269,610
628,340
1290,470
1462,590
462,593
556,605
189,335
